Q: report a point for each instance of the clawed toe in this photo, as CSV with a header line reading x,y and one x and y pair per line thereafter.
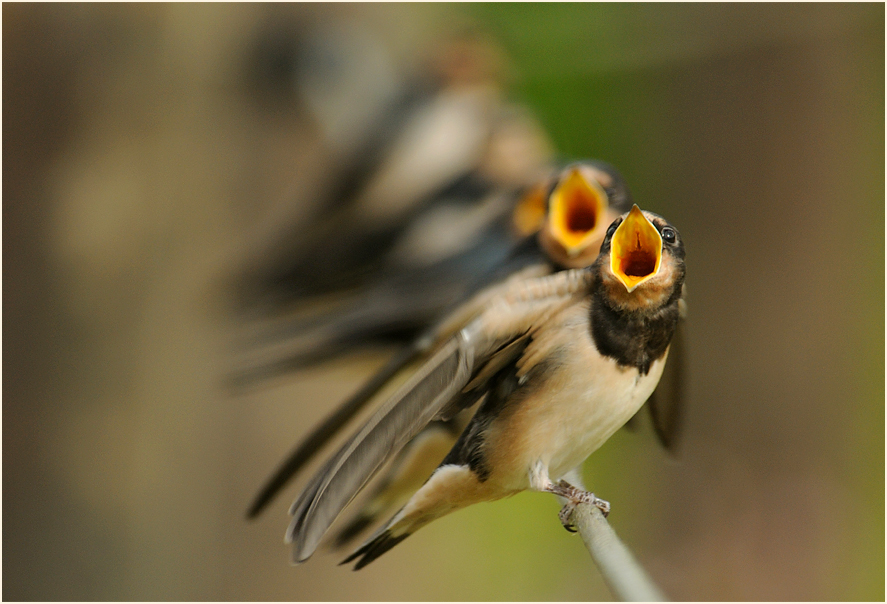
x,y
603,506
565,516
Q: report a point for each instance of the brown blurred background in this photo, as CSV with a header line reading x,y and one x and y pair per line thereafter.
x,y
140,159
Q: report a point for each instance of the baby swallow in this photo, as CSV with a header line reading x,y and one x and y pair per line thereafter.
x,y
558,364
568,213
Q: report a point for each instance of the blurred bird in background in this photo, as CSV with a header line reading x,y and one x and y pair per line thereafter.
x,y
418,205
415,152
401,302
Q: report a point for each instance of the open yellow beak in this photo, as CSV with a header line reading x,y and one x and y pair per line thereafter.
x,y
576,212
636,250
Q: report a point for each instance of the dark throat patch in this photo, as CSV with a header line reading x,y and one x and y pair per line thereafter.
x,y
632,338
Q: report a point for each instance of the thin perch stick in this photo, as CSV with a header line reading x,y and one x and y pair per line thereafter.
x,y
622,573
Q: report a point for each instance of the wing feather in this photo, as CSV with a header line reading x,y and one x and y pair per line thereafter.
x,y
392,426
667,401
423,397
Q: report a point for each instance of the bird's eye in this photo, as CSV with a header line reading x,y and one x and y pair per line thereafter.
x,y
669,235
612,229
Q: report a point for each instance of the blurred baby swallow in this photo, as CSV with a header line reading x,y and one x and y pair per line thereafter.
x,y
594,190
441,141
561,221
557,364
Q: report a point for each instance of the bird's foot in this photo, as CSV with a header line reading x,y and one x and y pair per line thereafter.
x,y
566,515
575,496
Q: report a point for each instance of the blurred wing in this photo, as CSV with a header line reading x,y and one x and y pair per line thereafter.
x,y
667,401
398,307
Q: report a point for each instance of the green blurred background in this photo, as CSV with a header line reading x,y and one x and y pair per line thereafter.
x,y
134,161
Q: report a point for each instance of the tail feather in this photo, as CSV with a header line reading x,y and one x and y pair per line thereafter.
x,y
374,548
450,488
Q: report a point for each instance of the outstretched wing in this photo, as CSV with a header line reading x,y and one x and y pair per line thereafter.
x,y
427,395
434,337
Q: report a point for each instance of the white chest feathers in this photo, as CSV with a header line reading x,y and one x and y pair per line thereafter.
x,y
572,403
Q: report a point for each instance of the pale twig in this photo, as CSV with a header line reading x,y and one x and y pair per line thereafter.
x,y
620,570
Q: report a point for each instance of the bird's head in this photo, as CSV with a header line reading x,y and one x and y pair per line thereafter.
x,y
575,209
641,261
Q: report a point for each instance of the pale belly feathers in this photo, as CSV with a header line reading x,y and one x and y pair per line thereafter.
x,y
568,410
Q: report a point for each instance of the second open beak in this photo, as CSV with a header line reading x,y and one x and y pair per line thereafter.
x,y
577,209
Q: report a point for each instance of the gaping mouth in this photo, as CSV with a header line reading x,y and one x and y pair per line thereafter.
x,y
636,250
576,211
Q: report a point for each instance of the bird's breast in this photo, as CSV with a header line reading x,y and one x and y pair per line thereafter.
x,y
573,400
